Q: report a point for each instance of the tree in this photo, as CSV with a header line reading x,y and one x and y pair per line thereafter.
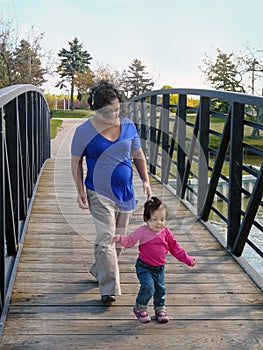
x,y
173,97
20,64
251,62
114,77
137,79
83,81
224,73
108,73
124,85
229,73
27,67
5,66
73,61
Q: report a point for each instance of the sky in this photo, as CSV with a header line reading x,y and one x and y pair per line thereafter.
x,y
170,37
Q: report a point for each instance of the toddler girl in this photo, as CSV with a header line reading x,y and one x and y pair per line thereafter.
x,y
155,241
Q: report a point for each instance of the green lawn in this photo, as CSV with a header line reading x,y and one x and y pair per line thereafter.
x,y
55,124
77,113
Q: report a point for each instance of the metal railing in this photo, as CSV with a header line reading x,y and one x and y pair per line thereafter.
x,y
24,147
211,139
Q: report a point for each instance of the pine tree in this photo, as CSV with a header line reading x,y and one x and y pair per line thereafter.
x,y
20,65
138,81
73,61
27,65
224,73
5,66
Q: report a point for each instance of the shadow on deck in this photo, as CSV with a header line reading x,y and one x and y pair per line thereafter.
x,y
56,304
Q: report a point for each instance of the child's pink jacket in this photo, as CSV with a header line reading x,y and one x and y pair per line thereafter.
x,y
154,246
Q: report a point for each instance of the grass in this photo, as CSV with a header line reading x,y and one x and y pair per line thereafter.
x,y
55,124
76,113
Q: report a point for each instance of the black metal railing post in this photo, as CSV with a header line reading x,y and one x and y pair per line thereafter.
x,y
36,135
23,181
12,177
2,216
235,172
204,123
30,137
181,147
165,135
143,129
153,132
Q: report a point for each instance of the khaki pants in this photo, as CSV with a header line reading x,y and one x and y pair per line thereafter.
x,y
109,220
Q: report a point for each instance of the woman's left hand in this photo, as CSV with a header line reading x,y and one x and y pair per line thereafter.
x,y
147,189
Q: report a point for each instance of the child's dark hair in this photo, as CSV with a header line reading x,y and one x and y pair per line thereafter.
x,y
151,206
102,95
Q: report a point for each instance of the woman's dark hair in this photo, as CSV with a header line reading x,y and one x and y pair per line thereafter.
x,y
150,206
102,95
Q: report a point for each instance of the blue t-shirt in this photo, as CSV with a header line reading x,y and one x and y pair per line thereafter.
x,y
109,168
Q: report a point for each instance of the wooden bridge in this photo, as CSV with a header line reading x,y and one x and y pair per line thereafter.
x,y
48,300
55,303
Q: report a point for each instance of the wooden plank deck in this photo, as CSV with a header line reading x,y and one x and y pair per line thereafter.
x,y
56,304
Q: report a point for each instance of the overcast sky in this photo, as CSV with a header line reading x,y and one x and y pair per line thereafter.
x,y
170,37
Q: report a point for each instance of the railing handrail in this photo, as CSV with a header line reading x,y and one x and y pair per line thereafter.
x,y
223,95
8,93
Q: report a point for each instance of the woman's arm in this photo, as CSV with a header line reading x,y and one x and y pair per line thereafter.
x,y
141,166
77,173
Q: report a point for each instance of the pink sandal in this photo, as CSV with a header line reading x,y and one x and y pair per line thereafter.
x,y
142,315
161,316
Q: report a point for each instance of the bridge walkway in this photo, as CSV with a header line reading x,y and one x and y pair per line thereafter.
x,y
55,303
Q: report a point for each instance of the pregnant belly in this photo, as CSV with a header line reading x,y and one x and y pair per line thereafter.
x,y
121,182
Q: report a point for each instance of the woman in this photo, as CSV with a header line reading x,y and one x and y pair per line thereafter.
x,y
107,142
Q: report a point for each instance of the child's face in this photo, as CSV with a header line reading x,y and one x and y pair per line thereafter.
x,y
157,220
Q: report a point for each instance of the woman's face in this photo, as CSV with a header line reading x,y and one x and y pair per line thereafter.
x,y
111,112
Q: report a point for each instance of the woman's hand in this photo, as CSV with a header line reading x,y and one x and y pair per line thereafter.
x,y
115,239
77,173
82,201
147,189
141,165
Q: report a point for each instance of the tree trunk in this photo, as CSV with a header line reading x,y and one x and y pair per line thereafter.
x,y
72,107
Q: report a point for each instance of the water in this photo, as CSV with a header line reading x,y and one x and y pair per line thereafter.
x,y
255,235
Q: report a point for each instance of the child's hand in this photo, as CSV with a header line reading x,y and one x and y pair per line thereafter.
x,y
115,239
193,263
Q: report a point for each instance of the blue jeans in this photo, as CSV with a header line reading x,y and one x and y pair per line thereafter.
x,y
152,285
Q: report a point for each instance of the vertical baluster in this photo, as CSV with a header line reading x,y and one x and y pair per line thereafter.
x,y
23,182
165,136
2,214
35,114
235,172
12,177
204,123
143,130
181,115
153,131
30,138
